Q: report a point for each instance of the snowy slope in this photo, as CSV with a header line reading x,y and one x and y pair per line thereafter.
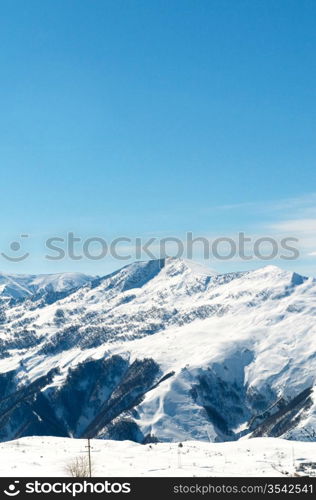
x,y
21,286
49,457
163,350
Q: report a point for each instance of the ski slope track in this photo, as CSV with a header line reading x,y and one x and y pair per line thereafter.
x,y
158,351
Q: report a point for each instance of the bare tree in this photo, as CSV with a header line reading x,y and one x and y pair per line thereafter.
x,y
79,467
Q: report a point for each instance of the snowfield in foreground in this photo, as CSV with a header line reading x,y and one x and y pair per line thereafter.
x,y
49,456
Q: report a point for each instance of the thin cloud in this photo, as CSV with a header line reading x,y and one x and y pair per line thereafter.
x,y
303,204
296,226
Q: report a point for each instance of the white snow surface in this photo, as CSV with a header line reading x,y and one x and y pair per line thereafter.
x,y
49,457
24,285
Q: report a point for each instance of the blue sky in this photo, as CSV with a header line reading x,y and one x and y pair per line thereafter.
x,y
137,118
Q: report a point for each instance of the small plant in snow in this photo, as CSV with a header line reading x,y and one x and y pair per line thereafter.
x,y
79,467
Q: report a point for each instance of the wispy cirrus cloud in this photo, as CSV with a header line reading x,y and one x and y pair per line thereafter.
x,y
298,219
300,205
290,217
296,225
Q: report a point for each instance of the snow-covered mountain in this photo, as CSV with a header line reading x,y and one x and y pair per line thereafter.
x,y
18,287
162,350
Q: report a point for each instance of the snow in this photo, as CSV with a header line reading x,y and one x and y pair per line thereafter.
x,y
48,456
25,285
60,282
187,319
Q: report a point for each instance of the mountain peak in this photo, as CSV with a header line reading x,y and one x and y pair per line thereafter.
x,y
190,265
277,274
165,337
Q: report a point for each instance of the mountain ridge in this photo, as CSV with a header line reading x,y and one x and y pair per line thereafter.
x,y
169,349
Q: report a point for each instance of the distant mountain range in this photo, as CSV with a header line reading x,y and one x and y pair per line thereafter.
x,y
164,350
